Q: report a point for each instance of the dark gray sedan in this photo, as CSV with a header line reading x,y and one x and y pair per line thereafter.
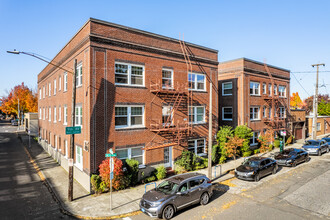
x,y
316,147
175,193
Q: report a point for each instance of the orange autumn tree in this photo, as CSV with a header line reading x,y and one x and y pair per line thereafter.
x,y
28,100
233,145
295,101
266,140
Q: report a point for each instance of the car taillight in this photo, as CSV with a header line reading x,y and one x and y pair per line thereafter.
x,y
209,181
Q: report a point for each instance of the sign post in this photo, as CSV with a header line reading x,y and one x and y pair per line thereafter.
x,y
111,166
283,133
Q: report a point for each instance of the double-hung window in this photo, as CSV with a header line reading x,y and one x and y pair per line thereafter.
x,y
275,89
59,113
40,113
254,138
50,114
65,115
129,116
167,79
129,74
270,89
167,115
227,88
49,89
78,115
44,91
65,81
196,82
254,88
79,75
59,83
282,91
79,157
54,86
130,153
264,88
197,146
40,95
254,113
282,112
197,114
55,114
227,113
44,114
264,111
270,112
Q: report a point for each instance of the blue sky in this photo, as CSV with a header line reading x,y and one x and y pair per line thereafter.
x,y
290,34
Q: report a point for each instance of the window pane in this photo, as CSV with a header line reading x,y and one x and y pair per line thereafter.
x,y
137,70
137,80
121,121
166,74
191,144
136,152
121,111
200,118
121,79
122,154
136,120
138,158
121,68
136,111
227,85
200,110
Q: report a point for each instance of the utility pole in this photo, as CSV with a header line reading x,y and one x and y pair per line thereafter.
x,y
70,192
315,100
209,167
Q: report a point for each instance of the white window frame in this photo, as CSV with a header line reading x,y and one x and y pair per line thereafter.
x,y
264,88
223,114
49,89
270,89
44,113
275,89
44,91
223,88
50,114
171,79
195,146
280,92
59,83
79,75
264,111
195,82
55,142
129,154
195,115
54,86
129,108
254,138
59,113
254,88
254,112
79,163
65,115
170,115
40,94
282,112
66,148
40,113
129,74
78,117
65,82
55,114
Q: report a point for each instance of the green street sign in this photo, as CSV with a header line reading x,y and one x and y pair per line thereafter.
x,y
73,130
111,155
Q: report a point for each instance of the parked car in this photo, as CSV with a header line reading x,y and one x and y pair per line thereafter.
x,y
175,193
327,139
291,157
316,147
255,168
14,122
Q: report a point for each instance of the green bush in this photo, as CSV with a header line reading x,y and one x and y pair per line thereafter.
x,y
244,132
161,172
149,179
179,169
215,153
277,143
247,153
132,171
201,163
222,159
271,147
187,160
97,185
256,151
223,134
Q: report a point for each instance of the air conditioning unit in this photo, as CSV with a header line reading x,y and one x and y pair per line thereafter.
x,y
86,146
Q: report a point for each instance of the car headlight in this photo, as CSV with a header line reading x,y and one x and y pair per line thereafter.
x,y
156,203
289,161
250,173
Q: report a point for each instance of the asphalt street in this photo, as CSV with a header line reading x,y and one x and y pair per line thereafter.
x,y
302,192
22,194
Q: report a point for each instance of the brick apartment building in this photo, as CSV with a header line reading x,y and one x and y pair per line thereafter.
x,y
134,95
254,94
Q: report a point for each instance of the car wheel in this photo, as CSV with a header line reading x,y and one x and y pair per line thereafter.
x,y
205,198
294,163
275,169
319,153
257,177
168,212
306,159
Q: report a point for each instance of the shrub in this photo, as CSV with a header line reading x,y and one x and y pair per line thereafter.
x,y
223,134
277,143
118,181
233,145
145,173
161,172
149,179
179,169
215,153
256,151
244,132
247,153
265,140
289,140
132,171
201,163
96,184
222,159
187,160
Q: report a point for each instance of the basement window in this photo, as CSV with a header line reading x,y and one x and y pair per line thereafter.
x,y
135,153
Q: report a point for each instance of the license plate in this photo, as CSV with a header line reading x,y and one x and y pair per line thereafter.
x,y
142,209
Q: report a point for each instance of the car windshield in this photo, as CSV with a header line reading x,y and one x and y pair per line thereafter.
x,y
167,187
312,143
251,163
326,139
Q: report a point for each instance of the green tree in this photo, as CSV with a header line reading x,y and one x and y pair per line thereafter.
x,y
323,108
224,133
244,132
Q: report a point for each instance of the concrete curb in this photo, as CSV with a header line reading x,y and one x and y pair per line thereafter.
x,y
56,197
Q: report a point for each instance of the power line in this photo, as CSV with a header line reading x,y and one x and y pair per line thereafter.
x,y
325,71
300,84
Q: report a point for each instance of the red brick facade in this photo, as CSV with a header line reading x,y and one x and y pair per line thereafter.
x,y
101,47
247,103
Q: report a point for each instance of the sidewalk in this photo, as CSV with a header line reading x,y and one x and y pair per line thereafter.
x,y
124,202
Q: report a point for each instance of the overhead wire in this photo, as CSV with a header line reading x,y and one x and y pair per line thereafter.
x,y
300,84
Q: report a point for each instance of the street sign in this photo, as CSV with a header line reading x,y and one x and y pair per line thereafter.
x,y
111,175
283,133
111,155
73,130
70,162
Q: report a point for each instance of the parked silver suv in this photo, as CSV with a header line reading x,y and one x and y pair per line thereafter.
x,y
175,193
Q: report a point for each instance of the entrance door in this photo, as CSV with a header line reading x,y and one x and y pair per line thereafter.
x,y
168,156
